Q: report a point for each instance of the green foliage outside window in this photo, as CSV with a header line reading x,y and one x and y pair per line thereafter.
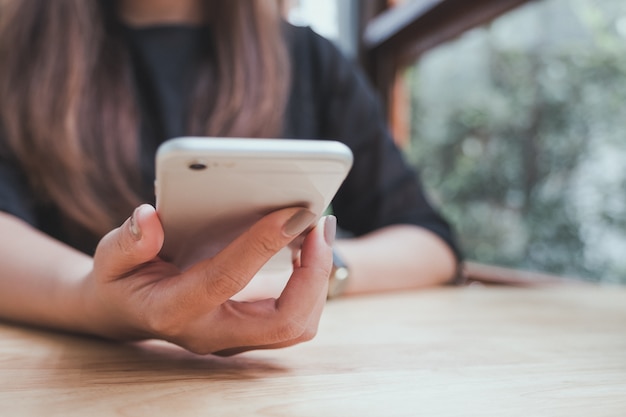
x,y
519,130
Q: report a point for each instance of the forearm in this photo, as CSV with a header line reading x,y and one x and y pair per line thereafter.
x,y
396,258
40,278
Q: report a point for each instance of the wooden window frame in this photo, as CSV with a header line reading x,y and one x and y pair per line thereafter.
x,y
394,36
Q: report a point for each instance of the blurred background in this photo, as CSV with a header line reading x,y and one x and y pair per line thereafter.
x,y
514,113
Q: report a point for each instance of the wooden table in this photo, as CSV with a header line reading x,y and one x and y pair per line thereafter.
x,y
444,352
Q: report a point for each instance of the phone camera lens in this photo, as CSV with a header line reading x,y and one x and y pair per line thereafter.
x,y
197,166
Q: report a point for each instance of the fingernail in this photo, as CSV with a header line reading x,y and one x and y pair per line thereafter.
x,y
298,223
135,230
330,229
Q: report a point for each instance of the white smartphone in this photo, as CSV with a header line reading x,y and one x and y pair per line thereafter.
x,y
210,190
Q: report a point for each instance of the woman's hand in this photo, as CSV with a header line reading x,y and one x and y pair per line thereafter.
x,y
132,294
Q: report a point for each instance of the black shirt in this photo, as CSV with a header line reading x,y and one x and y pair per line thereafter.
x,y
329,100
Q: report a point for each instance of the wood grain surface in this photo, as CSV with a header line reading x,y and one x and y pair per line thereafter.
x,y
445,352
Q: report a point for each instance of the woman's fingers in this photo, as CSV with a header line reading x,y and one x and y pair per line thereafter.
x,y
135,242
221,277
310,278
292,318
193,309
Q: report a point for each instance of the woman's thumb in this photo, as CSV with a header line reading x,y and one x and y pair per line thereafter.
x,y
135,242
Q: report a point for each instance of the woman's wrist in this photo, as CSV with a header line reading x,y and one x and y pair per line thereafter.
x,y
395,258
73,300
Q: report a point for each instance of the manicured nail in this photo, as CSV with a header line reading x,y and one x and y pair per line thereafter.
x,y
298,223
135,230
330,229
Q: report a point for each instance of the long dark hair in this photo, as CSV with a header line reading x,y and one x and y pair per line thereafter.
x,y
67,108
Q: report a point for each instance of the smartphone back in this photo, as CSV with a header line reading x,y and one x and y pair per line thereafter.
x,y
210,190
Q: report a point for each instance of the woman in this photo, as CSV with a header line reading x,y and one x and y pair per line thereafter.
x,y
90,88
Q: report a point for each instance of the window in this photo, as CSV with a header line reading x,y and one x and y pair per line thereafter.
x,y
333,19
518,129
